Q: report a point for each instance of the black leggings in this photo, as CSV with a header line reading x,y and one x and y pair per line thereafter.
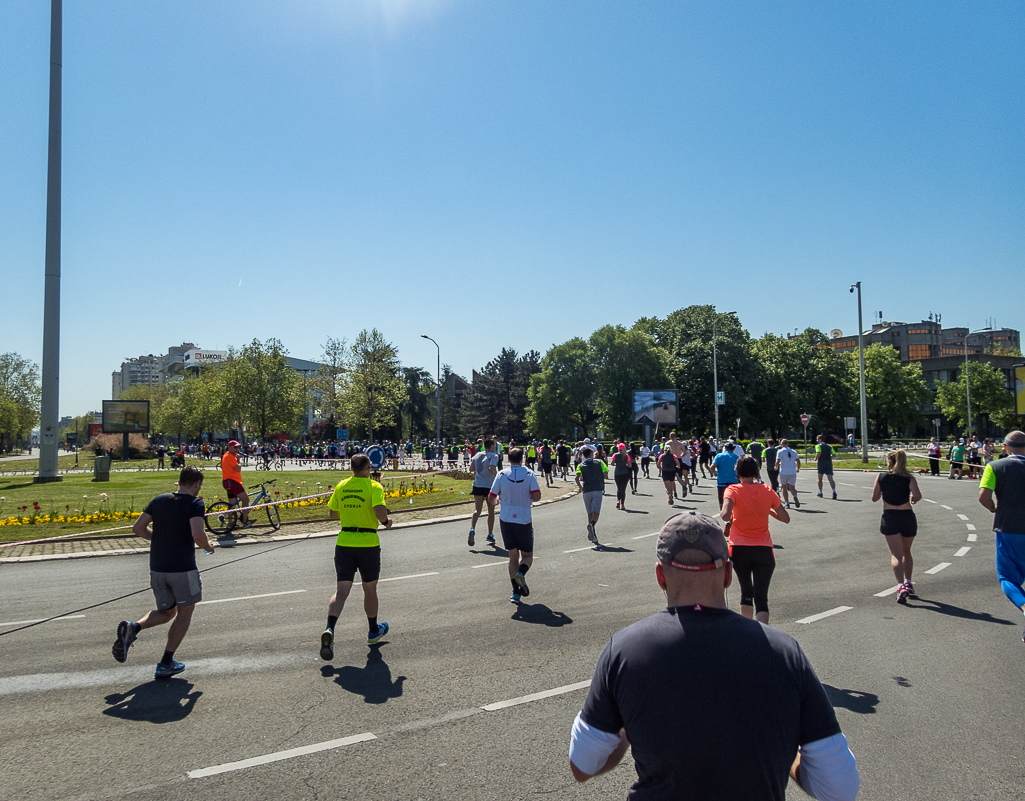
x,y
753,566
622,482
634,470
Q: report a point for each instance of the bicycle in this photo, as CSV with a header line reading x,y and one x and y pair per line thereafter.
x,y
221,517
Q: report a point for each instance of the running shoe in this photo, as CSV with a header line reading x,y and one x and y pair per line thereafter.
x,y
820,494
797,501
670,501
469,539
591,535
490,539
166,671
247,524
911,589
125,637
521,582
834,495
515,597
902,594
382,629
788,504
327,645
618,505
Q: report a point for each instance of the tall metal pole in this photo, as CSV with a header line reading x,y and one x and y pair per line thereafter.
x,y
437,425
715,378
52,286
967,384
861,377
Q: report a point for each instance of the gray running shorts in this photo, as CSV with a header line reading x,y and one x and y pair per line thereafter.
x,y
176,589
592,502
788,478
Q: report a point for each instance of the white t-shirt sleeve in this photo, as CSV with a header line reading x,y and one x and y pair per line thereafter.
x,y
828,770
590,748
534,486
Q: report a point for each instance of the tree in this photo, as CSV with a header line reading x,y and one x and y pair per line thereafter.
x,y
497,401
373,391
893,390
624,361
259,388
989,395
416,410
20,396
328,384
561,394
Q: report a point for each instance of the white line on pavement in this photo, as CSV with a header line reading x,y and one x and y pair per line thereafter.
x,y
249,597
963,517
400,578
489,564
970,526
40,620
948,508
643,536
526,699
280,755
822,615
962,550
890,591
928,500
941,566
588,548
973,537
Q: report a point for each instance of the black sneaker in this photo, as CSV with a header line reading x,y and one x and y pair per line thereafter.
x,y
125,637
521,584
797,503
327,645
469,539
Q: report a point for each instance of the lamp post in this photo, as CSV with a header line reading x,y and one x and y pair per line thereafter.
x,y
967,378
437,425
715,370
861,379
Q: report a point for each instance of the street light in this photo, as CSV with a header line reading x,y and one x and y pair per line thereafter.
x,y
715,369
967,380
437,425
861,379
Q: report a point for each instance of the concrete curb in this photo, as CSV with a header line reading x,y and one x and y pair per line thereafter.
x,y
234,543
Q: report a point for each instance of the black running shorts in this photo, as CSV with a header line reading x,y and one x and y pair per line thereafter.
x,y
898,521
349,560
517,536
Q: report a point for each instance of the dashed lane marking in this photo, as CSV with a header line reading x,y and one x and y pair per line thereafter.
x,y
973,538
941,566
948,508
962,550
489,564
822,615
970,526
526,699
645,536
890,591
963,517
280,755
587,548
928,500
249,597
40,620
401,578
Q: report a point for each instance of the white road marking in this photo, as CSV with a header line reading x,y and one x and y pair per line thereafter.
x,y
973,537
401,578
963,517
822,615
948,508
970,526
588,548
941,566
489,564
890,591
962,550
249,597
40,620
645,536
526,699
928,500
280,755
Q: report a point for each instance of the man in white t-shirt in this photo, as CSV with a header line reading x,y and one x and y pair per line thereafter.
x,y
485,468
517,488
788,463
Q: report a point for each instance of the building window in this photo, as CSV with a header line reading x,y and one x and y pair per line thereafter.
x,y
916,352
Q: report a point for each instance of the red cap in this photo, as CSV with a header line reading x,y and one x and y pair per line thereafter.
x,y
235,443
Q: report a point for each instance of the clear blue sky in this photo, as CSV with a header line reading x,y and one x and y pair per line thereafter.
x,y
505,173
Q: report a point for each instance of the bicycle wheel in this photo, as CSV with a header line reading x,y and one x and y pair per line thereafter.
x,y
279,465
219,519
274,516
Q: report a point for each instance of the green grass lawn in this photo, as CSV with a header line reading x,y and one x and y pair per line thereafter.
x,y
126,494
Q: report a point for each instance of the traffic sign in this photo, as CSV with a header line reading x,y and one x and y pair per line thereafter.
x,y
375,453
805,418
720,398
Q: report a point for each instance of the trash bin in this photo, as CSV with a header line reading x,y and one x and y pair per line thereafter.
x,y
101,468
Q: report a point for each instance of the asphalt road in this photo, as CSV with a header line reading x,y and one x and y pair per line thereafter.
x,y
930,694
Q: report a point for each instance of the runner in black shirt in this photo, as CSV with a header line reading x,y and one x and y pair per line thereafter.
x,y
177,520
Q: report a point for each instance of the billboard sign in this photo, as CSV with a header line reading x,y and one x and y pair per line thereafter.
x,y
1019,388
651,406
125,417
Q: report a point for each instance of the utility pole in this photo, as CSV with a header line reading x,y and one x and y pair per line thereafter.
x,y
437,425
861,359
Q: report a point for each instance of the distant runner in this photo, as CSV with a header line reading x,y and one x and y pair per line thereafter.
x,y
590,479
517,488
485,468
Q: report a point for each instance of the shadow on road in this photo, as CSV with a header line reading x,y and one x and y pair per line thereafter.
x,y
539,613
808,511
157,701
635,511
373,681
493,550
612,549
854,700
848,500
957,611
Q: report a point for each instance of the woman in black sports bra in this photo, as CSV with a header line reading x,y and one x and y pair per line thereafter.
x,y
898,489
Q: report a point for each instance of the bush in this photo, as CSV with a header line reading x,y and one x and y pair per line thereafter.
x,y
137,445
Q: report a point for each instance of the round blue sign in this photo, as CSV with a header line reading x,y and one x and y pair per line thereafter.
x,y
376,455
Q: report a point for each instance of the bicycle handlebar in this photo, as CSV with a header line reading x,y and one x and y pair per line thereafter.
x,y
263,484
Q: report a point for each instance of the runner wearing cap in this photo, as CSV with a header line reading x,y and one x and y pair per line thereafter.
x,y
517,488
703,735
358,504
1005,479
231,480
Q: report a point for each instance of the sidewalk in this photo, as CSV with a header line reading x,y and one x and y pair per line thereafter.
x,y
76,547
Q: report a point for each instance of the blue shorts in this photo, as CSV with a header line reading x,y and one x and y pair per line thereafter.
x,y
1011,566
